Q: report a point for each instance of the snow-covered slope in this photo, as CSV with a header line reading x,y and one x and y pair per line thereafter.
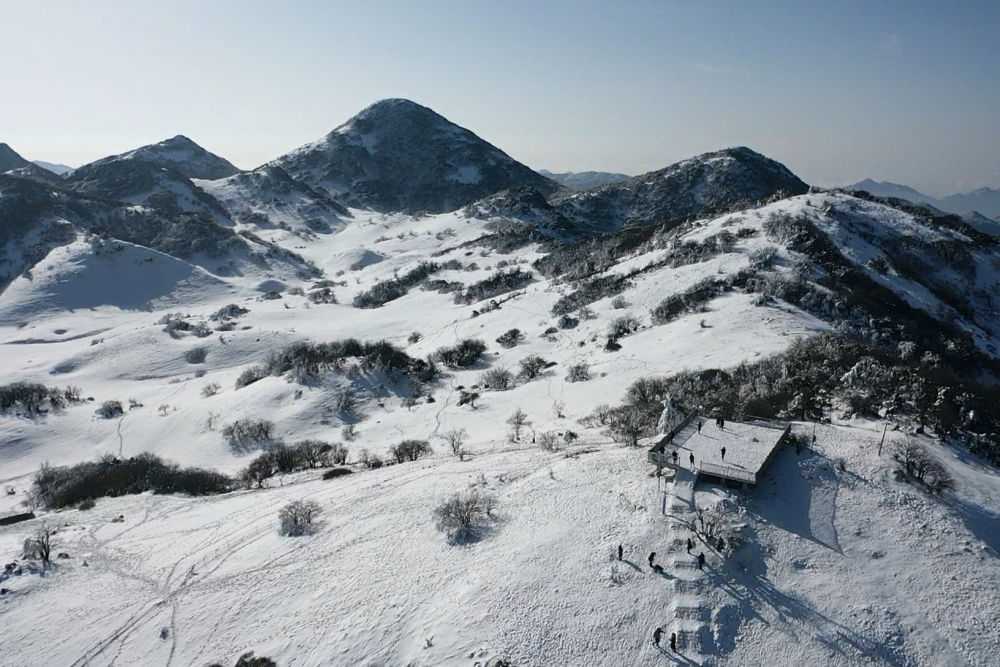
x,y
268,197
399,156
845,567
841,563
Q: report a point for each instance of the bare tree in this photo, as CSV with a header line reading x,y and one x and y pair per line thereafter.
x,y
919,464
410,450
456,438
312,452
468,398
517,421
39,545
627,424
464,516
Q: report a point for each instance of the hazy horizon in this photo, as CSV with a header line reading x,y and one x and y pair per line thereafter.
x,y
902,92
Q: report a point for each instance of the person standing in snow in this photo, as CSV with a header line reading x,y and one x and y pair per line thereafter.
x,y
674,455
620,550
701,559
652,557
673,642
657,633
700,422
690,545
691,458
723,453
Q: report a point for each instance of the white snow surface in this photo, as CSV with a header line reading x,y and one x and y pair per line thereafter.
x,y
846,566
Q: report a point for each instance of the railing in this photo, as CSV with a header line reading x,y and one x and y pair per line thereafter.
x,y
727,472
765,422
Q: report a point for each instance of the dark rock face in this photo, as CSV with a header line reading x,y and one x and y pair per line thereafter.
x,y
399,156
704,184
9,159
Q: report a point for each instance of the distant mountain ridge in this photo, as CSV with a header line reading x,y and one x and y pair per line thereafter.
x,y
985,201
582,180
54,167
397,155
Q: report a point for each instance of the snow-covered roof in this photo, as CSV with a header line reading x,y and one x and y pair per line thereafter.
x,y
748,446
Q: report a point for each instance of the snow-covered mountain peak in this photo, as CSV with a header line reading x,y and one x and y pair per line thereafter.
x,y
396,155
706,183
182,154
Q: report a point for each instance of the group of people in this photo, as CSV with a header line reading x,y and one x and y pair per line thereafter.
x,y
658,634
656,567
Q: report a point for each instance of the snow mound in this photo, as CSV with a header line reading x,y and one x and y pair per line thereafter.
x,y
85,276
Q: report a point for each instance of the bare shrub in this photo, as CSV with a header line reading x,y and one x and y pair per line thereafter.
x,y
110,410
249,376
322,295
410,450
623,326
349,432
619,302
548,441
511,338
465,516
497,379
578,373
532,366
298,517
463,355
211,389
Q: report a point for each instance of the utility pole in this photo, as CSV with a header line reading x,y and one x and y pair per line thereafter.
x,y
884,429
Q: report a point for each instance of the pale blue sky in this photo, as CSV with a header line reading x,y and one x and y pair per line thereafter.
x,y
838,91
